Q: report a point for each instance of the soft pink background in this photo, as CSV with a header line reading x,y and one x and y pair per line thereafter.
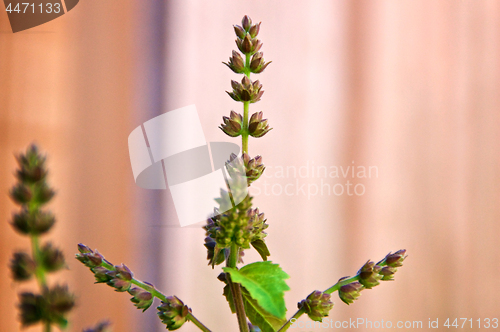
x,y
411,87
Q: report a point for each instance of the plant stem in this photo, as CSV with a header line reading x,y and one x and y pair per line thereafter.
x,y
39,271
150,289
156,293
289,322
35,248
47,327
244,135
330,290
198,323
246,104
236,290
339,284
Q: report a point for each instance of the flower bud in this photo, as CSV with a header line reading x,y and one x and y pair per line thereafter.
x,y
22,266
173,313
59,299
43,194
52,258
232,125
31,166
236,63
254,30
21,194
213,258
142,299
102,274
387,273
246,91
369,275
38,223
246,23
396,259
257,64
317,305
84,249
253,167
120,278
89,259
350,292
240,32
258,223
248,45
31,308
257,126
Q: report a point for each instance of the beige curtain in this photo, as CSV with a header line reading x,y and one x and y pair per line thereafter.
x,y
408,88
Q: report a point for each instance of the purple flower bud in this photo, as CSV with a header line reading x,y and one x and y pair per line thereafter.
x,y
317,305
254,30
22,266
142,299
240,32
350,292
173,313
246,22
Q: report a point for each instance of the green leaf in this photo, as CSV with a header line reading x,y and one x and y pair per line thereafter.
x,y
258,316
261,248
265,283
229,297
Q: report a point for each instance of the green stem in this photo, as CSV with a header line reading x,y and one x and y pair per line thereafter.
x,y
35,248
47,327
339,284
150,289
289,322
232,261
198,323
330,290
156,293
244,135
246,105
39,270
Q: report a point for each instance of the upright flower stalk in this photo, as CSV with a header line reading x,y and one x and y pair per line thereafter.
x,y
31,193
254,292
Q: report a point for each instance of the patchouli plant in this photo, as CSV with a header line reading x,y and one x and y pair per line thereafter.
x,y
255,292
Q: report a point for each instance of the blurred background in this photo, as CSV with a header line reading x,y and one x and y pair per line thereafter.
x,y
409,88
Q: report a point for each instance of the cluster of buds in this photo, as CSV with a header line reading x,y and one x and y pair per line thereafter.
x,y
248,44
253,167
50,307
257,221
246,90
173,313
370,275
240,225
232,125
31,193
119,277
317,305
141,298
390,264
258,127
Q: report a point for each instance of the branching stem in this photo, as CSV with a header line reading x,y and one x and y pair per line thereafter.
x,y
330,290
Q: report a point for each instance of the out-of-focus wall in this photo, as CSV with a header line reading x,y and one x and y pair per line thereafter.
x,y
410,87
